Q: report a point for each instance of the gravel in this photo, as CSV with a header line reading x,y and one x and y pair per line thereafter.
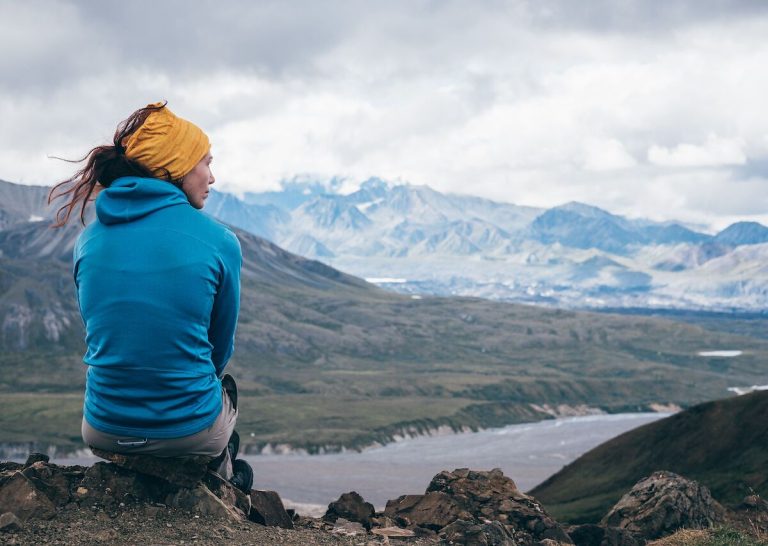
x,y
159,525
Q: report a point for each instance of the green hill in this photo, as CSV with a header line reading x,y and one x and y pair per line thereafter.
x,y
721,444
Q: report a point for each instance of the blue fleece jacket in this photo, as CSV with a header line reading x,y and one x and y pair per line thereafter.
x,y
158,283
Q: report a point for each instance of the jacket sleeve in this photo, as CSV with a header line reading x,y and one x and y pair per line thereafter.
x,y
226,304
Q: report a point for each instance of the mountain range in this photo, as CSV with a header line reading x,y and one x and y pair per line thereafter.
x,y
416,240
325,360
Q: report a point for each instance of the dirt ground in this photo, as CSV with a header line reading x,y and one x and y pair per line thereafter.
x,y
157,525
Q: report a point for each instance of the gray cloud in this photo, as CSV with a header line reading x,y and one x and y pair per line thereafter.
x,y
55,41
639,15
537,102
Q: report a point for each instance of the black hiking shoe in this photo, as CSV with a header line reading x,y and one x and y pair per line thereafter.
x,y
242,476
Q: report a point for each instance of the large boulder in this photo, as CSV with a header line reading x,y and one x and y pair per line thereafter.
x,y
477,498
662,503
38,489
182,471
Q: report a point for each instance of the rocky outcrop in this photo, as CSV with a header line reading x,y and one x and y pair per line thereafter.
x,y
40,490
463,507
663,502
488,504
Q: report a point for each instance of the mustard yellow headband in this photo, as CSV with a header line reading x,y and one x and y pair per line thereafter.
x,y
167,142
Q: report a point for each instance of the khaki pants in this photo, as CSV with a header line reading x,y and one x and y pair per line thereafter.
x,y
211,441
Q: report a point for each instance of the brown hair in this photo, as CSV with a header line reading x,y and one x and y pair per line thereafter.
x,y
103,165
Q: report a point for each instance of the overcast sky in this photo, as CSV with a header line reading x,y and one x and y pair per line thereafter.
x,y
648,108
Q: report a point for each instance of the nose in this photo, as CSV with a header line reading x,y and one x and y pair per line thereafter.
x,y
211,180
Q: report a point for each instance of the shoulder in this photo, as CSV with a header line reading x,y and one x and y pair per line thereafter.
x,y
201,226
221,232
220,237
88,233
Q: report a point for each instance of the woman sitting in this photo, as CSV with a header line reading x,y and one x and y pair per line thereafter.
x,y
158,284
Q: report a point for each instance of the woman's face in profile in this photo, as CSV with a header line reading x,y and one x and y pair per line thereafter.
x,y
195,183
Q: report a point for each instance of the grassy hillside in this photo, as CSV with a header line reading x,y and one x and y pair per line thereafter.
x,y
325,359
722,444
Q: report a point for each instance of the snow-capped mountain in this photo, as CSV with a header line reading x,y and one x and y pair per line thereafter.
x,y
418,240
572,255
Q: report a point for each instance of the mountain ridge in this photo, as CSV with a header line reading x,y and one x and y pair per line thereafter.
x,y
408,232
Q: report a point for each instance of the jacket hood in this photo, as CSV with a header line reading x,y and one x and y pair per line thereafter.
x,y
130,198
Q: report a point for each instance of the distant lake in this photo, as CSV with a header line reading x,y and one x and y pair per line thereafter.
x,y
528,453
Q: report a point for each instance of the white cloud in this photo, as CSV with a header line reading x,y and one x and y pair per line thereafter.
x,y
606,155
713,152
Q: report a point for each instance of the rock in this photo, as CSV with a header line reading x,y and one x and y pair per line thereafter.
x,y
393,532
108,484
397,509
753,502
351,506
37,490
595,535
663,502
492,496
183,471
20,496
36,458
433,511
267,509
381,520
228,493
752,513
9,523
466,533
201,500
348,528
50,480
10,466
